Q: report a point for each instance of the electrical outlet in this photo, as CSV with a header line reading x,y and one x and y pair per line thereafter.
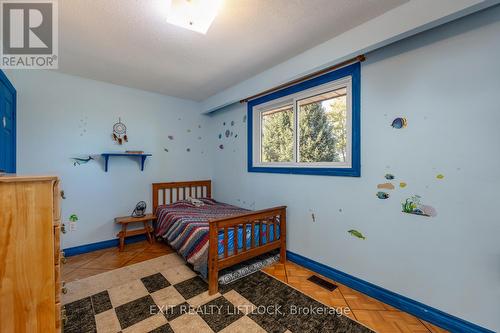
x,y
72,226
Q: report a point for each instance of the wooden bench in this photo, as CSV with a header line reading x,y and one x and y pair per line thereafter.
x,y
125,220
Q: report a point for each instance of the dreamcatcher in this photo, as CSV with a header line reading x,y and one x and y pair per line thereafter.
x,y
120,132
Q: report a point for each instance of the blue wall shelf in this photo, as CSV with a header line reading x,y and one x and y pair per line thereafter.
x,y
108,155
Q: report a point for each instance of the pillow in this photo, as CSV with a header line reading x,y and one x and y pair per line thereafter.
x,y
195,202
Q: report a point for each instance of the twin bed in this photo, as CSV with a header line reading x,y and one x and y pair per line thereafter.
x,y
211,235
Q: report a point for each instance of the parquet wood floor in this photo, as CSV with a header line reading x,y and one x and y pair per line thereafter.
x,y
366,310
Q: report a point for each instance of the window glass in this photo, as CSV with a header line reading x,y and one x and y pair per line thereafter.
x,y
277,135
323,127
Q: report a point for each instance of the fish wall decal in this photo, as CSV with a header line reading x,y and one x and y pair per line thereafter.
x,y
79,161
399,123
356,234
387,186
382,195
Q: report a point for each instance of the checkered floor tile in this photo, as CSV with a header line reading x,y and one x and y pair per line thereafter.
x,y
153,303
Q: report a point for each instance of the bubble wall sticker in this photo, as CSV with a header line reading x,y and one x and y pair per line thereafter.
x,y
170,137
440,176
83,126
389,176
402,184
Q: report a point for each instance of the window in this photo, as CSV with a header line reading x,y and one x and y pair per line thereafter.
x,y
309,128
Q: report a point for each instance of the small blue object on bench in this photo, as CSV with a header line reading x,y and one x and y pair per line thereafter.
x,y
107,155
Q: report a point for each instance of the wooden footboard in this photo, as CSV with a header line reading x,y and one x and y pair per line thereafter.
x,y
270,218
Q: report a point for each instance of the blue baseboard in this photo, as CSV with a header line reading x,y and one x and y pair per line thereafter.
x,y
425,312
73,251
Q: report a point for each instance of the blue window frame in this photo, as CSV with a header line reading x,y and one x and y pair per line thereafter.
x,y
296,101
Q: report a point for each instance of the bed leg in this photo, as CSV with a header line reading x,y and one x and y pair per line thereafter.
x,y
283,237
213,283
213,258
283,255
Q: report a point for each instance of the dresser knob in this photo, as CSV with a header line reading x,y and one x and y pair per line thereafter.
x,y
63,258
63,228
64,318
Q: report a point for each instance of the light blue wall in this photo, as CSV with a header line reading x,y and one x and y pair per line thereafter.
x,y
52,111
446,82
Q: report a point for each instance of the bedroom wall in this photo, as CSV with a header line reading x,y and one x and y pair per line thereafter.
x,y
62,116
446,83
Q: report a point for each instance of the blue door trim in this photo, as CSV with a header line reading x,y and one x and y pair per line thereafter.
x,y
5,80
420,310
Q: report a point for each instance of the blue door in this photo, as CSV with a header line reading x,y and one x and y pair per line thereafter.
x,y
7,125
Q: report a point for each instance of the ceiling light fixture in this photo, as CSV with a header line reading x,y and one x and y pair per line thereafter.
x,y
195,15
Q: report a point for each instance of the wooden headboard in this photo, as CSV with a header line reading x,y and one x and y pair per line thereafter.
x,y
168,193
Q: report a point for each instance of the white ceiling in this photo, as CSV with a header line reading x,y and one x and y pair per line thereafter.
x,y
128,42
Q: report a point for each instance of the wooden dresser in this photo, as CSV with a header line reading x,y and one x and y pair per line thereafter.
x,y
30,227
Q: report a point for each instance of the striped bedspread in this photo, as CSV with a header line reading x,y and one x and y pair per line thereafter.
x,y
185,228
